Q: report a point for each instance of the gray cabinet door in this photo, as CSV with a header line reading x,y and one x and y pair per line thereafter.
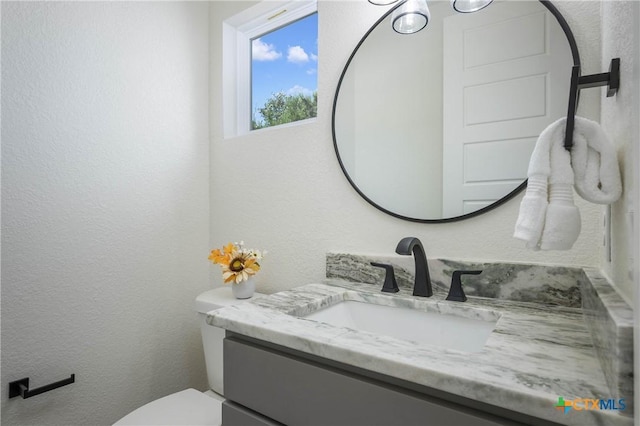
x,y
299,392
237,415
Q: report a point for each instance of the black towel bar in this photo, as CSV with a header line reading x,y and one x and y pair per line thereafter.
x,y
21,387
578,82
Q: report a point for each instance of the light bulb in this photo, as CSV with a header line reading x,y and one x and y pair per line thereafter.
x,y
382,2
410,17
468,6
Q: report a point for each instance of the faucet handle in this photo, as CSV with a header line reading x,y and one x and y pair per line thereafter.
x,y
455,292
390,284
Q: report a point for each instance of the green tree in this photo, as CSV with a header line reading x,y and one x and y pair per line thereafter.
x,y
281,108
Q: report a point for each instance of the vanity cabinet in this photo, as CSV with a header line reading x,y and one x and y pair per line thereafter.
x,y
270,385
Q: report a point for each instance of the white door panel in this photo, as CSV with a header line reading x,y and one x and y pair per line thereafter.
x,y
506,77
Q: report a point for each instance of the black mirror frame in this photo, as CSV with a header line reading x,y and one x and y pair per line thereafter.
x,y
576,61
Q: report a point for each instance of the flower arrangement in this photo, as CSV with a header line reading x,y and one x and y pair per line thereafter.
x,y
237,262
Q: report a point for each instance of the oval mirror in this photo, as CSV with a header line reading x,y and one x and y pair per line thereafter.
x,y
439,125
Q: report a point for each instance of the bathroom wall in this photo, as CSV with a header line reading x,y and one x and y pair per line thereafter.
x,y
282,189
636,206
618,119
105,204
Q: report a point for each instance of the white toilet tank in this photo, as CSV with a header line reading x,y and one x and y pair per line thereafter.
x,y
212,336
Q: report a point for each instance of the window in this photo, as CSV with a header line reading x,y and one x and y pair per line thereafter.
x,y
270,66
284,83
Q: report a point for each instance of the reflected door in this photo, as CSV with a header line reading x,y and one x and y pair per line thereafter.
x,y
502,85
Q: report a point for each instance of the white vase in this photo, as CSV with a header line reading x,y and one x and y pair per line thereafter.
x,y
244,290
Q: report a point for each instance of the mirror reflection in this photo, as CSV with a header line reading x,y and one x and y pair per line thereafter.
x,y
441,123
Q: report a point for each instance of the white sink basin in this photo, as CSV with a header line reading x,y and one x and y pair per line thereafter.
x,y
432,328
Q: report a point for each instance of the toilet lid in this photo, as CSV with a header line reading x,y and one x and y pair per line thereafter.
x,y
188,407
219,298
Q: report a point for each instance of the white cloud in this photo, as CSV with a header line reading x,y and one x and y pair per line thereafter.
x,y
297,55
311,71
314,57
262,51
296,90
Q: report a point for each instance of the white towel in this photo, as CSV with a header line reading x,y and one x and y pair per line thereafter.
x,y
548,219
595,163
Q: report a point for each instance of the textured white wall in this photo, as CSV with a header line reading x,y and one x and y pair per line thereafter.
x,y
282,189
635,229
104,204
618,119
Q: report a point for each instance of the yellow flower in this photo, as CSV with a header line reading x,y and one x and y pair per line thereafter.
x,y
217,257
237,263
240,268
229,248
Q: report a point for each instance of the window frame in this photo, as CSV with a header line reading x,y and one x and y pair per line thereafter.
x,y
238,31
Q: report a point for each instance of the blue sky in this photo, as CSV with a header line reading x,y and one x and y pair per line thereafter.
x,y
285,60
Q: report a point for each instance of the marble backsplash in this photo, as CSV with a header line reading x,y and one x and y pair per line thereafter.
x,y
554,285
610,321
607,316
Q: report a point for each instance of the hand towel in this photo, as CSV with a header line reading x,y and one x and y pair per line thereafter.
x,y
533,210
548,219
595,163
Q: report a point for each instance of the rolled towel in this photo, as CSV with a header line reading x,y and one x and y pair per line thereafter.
x,y
595,163
533,210
533,207
562,222
548,218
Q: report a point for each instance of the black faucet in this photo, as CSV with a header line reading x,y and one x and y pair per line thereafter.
x,y
422,285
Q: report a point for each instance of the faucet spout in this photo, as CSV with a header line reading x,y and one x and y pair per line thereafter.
x,y
411,245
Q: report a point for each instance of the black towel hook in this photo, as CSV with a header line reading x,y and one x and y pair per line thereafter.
x,y
21,387
578,82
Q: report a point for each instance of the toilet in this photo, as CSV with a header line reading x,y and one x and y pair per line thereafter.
x,y
192,407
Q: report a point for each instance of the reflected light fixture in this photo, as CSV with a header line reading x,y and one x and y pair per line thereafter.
x,y
410,17
382,2
468,6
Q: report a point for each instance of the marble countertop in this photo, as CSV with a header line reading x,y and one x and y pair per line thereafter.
x,y
536,353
